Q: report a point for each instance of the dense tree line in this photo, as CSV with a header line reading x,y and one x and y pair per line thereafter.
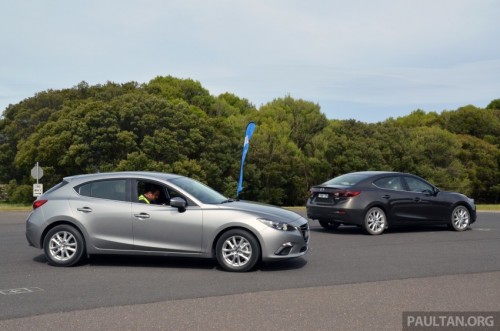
x,y
175,125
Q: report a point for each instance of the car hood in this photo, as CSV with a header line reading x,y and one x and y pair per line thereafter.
x,y
264,210
457,196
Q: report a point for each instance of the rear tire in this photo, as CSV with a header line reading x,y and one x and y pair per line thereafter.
x,y
328,225
375,221
64,246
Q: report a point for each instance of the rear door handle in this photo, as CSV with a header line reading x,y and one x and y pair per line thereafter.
x,y
142,215
387,196
417,199
84,209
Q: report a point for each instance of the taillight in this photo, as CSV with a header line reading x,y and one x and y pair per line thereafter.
x,y
347,194
38,203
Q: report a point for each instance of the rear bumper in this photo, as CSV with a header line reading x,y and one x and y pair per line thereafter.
x,y
333,214
29,240
34,229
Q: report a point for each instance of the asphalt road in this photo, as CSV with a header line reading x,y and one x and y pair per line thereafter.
x,y
348,280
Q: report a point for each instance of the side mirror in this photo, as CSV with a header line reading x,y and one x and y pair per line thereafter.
x,y
432,192
178,203
428,193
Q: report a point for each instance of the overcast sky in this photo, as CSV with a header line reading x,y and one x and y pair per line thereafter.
x,y
367,60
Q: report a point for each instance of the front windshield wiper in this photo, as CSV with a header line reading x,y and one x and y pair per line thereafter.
x,y
228,200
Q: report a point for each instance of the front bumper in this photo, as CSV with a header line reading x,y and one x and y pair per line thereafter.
x,y
473,215
280,245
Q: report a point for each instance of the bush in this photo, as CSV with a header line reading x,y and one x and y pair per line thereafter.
x,y
19,193
3,192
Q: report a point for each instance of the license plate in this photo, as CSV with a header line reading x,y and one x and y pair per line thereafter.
x,y
323,196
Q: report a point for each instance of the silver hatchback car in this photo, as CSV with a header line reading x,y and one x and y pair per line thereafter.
x,y
149,213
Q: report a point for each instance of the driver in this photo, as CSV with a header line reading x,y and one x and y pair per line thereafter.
x,y
151,195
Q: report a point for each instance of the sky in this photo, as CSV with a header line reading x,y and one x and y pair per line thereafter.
x,y
367,60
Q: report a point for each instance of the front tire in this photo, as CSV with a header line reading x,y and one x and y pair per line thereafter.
x,y
460,218
64,246
327,225
375,221
237,251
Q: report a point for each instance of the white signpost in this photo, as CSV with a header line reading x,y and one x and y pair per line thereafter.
x,y
37,173
37,190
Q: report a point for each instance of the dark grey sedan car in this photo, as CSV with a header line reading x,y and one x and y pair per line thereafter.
x,y
376,200
160,214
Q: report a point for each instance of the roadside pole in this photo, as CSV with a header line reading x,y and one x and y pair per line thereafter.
x,y
37,173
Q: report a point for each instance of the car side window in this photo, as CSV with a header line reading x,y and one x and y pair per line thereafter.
x,y
389,183
416,185
162,197
151,193
105,189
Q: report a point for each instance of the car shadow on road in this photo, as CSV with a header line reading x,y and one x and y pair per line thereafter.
x,y
152,261
356,230
284,265
139,261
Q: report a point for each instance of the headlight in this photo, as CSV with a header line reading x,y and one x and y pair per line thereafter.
x,y
277,225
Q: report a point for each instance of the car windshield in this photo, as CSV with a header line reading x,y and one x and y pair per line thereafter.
x,y
200,191
346,180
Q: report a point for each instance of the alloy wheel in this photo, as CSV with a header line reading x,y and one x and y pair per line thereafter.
x,y
460,218
236,251
375,221
63,246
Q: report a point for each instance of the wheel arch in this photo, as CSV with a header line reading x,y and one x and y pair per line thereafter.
x,y
463,204
62,222
381,206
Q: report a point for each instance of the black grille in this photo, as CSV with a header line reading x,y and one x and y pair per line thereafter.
x,y
304,229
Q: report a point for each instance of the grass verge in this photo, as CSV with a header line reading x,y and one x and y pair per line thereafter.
x,y
488,207
4,206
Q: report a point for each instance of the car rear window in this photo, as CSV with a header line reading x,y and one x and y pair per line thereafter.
x,y
346,180
106,189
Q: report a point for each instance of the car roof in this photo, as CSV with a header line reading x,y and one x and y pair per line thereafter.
x,y
123,174
373,173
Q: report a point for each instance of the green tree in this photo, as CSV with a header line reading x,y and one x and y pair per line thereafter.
x,y
473,121
303,118
435,156
481,161
175,125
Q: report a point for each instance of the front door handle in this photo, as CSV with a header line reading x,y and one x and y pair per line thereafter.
x,y
84,209
142,215
417,199
387,196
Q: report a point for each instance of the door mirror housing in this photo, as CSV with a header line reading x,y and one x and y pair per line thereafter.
x,y
432,192
428,193
178,203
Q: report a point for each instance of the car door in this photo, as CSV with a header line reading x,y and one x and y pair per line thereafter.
x,y
392,193
425,205
103,207
160,227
